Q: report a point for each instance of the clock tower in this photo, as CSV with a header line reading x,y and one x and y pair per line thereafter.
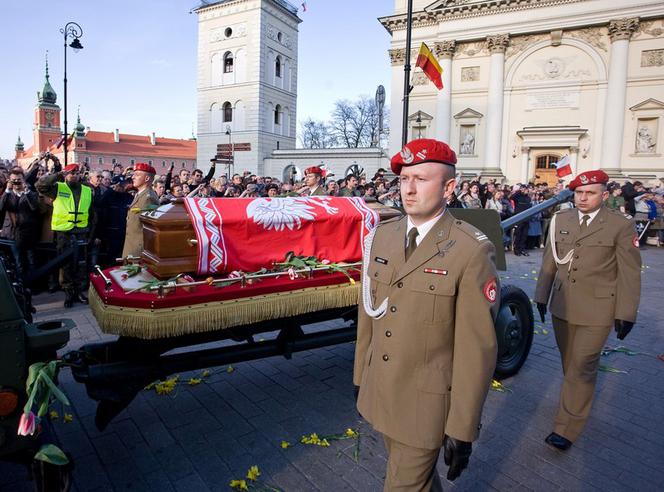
x,y
46,127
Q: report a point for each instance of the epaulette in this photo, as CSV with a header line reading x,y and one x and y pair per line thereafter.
x,y
391,220
470,230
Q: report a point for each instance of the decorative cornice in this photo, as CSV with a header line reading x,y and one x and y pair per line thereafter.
x,y
623,28
498,43
444,49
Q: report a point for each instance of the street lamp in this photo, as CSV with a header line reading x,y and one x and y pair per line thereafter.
x,y
71,30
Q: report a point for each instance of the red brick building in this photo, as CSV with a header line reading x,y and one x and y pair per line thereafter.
x,y
100,150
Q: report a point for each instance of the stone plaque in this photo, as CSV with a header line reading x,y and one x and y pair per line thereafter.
x,y
470,74
652,58
552,100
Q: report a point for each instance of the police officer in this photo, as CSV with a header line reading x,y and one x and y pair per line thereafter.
x,y
142,180
426,345
72,222
313,179
591,271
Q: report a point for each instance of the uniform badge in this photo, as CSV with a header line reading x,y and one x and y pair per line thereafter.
x,y
584,179
564,232
490,290
480,236
380,260
635,241
435,271
407,155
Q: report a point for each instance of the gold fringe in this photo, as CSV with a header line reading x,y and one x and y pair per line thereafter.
x,y
198,318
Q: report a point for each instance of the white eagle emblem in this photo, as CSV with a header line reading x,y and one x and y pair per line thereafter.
x,y
289,212
406,155
583,179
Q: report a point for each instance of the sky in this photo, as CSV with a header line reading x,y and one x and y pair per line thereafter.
x,y
137,71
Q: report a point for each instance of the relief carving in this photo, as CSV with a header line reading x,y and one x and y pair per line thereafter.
x,y
593,36
420,78
517,45
652,58
556,68
470,74
653,28
472,49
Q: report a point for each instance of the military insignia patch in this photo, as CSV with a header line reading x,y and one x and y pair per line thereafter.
x,y
435,271
583,179
635,241
491,290
564,232
380,260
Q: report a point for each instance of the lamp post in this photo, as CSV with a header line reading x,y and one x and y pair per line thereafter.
x,y
71,30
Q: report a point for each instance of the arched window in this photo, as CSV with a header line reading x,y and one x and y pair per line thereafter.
x,y
291,174
228,112
277,114
547,161
228,62
277,67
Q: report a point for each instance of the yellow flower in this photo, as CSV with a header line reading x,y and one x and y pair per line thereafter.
x,y
324,443
351,433
285,444
230,369
194,381
68,418
352,281
135,210
545,332
53,415
239,484
206,373
253,473
167,387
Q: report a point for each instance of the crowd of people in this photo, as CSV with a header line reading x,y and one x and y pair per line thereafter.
x,y
26,209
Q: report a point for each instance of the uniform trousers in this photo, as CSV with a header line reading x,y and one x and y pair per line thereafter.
x,y
580,348
411,469
73,271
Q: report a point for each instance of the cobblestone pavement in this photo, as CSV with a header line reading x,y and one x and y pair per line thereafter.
x,y
208,434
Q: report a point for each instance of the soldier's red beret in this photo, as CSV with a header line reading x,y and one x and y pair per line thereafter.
x,y
420,151
589,177
71,168
142,166
314,170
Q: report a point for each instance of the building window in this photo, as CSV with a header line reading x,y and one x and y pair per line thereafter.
x,y
184,164
133,161
172,163
228,62
279,36
114,160
277,115
100,160
86,160
547,161
277,67
228,112
163,163
228,32
150,162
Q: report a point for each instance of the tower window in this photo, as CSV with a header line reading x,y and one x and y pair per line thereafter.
x,y
114,160
277,115
228,62
133,161
100,160
277,67
279,36
228,112
228,32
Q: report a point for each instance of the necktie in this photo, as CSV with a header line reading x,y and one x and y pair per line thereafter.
x,y
412,243
584,222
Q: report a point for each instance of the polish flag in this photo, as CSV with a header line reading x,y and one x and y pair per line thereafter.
x,y
563,167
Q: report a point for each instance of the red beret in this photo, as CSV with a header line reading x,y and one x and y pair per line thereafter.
x,y
71,168
589,177
314,170
423,150
142,166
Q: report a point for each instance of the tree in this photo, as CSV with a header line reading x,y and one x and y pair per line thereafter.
x,y
316,135
355,124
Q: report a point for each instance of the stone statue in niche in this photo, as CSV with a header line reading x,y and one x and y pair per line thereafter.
x,y
467,146
645,142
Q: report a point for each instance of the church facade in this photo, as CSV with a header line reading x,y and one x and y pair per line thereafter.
x,y
527,82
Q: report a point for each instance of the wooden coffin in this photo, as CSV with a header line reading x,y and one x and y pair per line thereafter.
x,y
169,239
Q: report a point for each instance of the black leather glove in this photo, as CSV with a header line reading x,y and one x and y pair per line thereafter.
x,y
623,328
541,308
456,454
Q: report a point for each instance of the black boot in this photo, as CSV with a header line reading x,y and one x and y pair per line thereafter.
x,y
558,441
80,297
69,299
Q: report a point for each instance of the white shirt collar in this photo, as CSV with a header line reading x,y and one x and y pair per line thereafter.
x,y
423,229
591,214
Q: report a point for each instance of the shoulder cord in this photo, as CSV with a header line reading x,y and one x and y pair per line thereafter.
x,y
366,281
552,238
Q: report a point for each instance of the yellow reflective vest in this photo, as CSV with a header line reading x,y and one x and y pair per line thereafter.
x,y
65,214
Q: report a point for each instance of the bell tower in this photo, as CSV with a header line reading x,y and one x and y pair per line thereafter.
x,y
46,127
247,79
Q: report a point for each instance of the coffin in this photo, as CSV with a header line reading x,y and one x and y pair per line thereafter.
x,y
170,244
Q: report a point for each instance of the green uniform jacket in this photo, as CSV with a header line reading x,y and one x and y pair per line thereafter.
x,y
603,282
425,367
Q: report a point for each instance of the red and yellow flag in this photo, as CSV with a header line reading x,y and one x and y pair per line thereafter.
x,y
430,66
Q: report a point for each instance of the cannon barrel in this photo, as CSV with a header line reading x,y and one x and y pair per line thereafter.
x,y
561,197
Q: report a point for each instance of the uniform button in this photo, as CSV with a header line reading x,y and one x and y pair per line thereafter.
x,y
574,269
573,281
449,388
400,284
576,257
376,274
432,287
393,309
386,357
388,333
578,245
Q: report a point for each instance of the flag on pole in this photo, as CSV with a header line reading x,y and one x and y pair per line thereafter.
x,y
430,66
563,167
304,6
62,139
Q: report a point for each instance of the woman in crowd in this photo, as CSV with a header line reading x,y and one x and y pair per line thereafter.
x,y
472,198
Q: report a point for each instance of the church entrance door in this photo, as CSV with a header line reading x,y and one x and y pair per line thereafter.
x,y
545,167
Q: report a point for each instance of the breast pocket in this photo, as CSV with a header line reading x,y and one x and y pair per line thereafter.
x,y
380,277
436,294
564,244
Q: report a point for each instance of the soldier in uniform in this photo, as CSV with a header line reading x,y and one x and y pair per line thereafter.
x,y
426,345
72,222
313,179
591,271
142,179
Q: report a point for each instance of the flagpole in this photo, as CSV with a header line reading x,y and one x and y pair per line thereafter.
x,y
406,75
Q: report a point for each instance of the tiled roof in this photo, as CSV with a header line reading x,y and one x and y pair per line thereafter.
x,y
138,145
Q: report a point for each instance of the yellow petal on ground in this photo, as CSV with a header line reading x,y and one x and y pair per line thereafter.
x,y
230,369
253,473
68,418
285,444
205,373
194,381
53,415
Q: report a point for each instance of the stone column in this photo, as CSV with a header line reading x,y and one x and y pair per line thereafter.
x,y
620,31
525,157
444,51
397,59
494,122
